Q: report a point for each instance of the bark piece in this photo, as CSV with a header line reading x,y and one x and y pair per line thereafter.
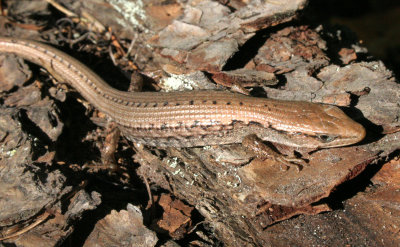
x,y
57,226
32,193
25,96
380,105
124,227
181,36
12,73
368,218
40,8
25,194
209,41
245,78
176,219
291,48
347,55
20,198
389,176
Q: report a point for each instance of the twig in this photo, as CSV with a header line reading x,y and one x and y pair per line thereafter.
x,y
39,220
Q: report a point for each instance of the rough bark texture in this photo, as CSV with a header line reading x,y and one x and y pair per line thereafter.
x,y
184,46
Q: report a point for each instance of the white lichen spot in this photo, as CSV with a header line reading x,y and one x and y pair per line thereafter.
x,y
11,153
176,172
239,181
173,162
132,11
177,82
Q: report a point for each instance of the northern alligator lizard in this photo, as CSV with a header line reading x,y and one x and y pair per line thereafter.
x,y
195,118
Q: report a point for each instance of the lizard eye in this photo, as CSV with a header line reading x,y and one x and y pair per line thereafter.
x,y
326,138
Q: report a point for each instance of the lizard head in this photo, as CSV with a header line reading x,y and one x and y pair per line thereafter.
x,y
326,126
